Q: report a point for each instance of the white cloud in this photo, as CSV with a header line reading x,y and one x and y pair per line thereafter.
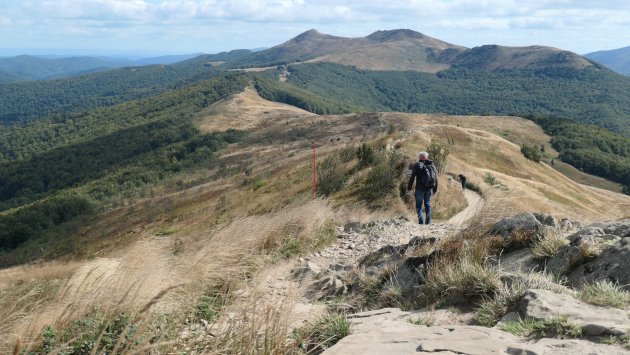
x,y
272,21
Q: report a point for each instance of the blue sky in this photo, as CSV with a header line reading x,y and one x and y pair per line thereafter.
x,y
152,27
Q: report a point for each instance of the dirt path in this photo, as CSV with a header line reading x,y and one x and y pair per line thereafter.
x,y
475,203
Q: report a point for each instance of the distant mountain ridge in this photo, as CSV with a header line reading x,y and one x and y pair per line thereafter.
x,y
404,49
616,59
27,67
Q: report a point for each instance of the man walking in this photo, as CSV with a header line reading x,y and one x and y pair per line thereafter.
x,y
462,179
425,175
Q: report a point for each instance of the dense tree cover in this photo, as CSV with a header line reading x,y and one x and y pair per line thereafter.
x,y
590,148
94,159
596,96
28,223
281,92
21,141
24,101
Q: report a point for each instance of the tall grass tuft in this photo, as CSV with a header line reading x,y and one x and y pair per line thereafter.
x,y
605,293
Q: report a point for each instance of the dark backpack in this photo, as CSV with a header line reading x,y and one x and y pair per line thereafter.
x,y
426,176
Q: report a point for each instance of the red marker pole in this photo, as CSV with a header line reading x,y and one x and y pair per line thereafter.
x,y
314,170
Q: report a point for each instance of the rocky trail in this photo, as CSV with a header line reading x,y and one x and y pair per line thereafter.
x,y
314,282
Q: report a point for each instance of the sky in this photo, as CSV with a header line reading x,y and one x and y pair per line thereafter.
x,y
156,27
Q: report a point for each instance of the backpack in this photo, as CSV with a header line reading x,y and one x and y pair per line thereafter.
x,y
426,176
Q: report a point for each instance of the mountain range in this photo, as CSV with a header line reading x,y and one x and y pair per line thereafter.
x,y
26,67
616,59
408,50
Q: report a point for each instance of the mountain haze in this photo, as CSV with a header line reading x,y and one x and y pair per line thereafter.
x,y
616,59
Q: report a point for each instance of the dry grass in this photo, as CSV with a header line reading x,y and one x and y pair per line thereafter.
x,y
549,243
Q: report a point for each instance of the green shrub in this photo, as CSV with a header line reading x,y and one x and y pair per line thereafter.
x,y
439,153
366,155
382,180
331,176
531,152
258,183
323,333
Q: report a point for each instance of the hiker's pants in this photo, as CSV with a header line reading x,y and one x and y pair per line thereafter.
x,y
423,198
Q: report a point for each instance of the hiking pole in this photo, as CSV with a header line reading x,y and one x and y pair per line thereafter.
x,y
314,170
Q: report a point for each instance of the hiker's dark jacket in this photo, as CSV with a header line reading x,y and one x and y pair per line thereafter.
x,y
415,175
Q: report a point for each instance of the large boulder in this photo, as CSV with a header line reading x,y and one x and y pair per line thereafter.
x,y
387,331
613,264
594,320
523,223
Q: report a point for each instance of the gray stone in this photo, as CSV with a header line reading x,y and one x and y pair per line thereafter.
x,y
546,219
567,258
352,227
308,270
594,320
612,264
621,230
520,260
377,261
553,346
588,231
523,223
326,288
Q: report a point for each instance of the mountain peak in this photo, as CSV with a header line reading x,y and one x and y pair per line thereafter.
x,y
395,35
309,35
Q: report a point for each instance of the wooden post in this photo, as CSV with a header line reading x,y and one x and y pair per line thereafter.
x,y
314,170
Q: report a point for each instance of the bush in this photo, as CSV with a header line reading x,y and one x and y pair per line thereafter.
x,y
330,175
382,180
366,155
438,153
531,153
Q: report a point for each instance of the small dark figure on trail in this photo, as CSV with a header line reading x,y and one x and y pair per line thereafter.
x,y
425,175
462,178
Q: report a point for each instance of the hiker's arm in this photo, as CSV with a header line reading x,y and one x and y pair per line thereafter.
x,y
412,177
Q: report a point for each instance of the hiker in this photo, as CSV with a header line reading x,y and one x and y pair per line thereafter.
x,y
462,178
426,184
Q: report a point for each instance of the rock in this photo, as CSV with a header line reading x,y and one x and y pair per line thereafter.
x,y
352,227
594,320
377,261
523,223
328,287
612,264
620,229
588,231
308,270
567,258
553,346
520,260
546,219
